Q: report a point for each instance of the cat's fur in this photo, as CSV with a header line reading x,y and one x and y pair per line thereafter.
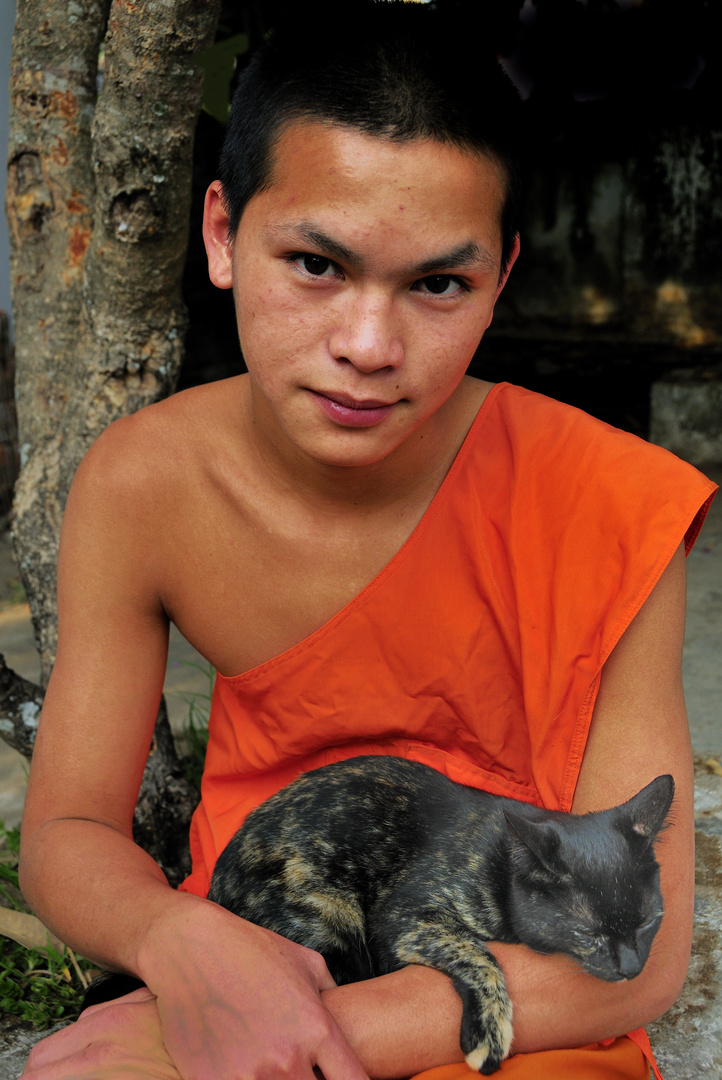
x,y
379,862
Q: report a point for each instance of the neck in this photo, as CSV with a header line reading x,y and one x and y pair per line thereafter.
x,y
419,464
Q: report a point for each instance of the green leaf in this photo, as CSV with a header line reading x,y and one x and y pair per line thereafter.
x,y
9,874
219,64
28,931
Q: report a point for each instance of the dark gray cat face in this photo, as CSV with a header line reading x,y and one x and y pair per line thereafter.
x,y
613,953
589,886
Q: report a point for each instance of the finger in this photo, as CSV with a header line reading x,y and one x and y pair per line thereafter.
x,y
323,978
50,1053
141,994
66,1042
336,1060
115,1040
100,1060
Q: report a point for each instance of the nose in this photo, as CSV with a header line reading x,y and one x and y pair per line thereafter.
x,y
629,963
367,334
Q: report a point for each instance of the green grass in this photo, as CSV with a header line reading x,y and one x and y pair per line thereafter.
x,y
34,988
17,591
193,738
39,989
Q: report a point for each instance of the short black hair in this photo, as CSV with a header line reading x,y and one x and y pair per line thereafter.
x,y
388,68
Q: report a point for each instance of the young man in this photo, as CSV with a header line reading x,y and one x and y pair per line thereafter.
x,y
378,554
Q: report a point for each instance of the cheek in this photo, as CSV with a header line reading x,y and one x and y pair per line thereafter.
x,y
273,326
448,347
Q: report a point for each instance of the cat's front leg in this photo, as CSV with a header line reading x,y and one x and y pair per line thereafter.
x,y
486,1028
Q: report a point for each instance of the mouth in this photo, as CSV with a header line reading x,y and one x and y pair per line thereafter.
x,y
353,403
352,412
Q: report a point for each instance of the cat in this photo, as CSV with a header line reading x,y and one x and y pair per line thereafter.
x,y
378,862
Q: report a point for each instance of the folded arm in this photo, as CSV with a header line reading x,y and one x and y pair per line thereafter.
x,y
409,1021
217,980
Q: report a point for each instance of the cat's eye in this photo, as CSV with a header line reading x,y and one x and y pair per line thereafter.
x,y
651,924
589,941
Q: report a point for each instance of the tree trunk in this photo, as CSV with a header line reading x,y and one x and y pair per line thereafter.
x,y
98,203
50,200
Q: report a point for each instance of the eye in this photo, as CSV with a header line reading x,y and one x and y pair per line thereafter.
x,y
652,923
316,265
440,285
590,941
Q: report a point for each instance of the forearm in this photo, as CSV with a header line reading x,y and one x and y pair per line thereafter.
x,y
96,889
227,997
556,1004
399,1024
409,1021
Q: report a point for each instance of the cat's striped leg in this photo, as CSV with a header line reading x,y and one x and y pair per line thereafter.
x,y
486,1028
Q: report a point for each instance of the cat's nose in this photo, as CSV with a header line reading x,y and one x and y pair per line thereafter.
x,y
628,962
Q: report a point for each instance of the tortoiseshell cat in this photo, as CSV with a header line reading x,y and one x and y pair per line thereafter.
x,y
379,862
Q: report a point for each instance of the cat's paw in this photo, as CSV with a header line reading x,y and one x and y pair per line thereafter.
x,y
486,1028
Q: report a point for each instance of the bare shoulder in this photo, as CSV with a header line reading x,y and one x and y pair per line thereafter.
x,y
139,495
157,445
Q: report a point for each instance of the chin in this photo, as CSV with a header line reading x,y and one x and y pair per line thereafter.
x,y
352,451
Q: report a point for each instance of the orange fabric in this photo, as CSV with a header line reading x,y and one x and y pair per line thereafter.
x,y
621,1059
478,648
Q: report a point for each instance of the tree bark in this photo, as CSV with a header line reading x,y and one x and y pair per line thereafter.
x,y
20,705
50,200
98,203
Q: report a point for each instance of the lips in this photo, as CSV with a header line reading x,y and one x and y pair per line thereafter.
x,y
349,412
352,403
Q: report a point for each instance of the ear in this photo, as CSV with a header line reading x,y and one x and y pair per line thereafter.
x,y
537,838
513,256
646,811
219,247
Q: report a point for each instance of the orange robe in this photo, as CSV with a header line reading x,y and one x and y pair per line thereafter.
x,y
478,648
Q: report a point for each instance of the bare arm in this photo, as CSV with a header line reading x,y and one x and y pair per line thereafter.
x,y
99,712
92,885
217,979
410,1020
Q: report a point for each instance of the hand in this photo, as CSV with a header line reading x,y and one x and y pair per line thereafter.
x,y
118,1040
237,1002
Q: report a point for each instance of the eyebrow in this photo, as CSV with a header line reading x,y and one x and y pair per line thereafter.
x,y
305,231
468,256
465,256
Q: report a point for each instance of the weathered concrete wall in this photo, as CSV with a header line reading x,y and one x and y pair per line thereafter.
x,y
673,236
688,1040
623,235
620,240
686,414
14,1050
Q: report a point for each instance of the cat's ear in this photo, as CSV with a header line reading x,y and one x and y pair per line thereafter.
x,y
646,811
538,838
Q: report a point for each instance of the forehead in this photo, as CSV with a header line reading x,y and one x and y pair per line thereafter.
x,y
358,182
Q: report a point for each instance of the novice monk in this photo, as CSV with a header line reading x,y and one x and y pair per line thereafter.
x,y
378,554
